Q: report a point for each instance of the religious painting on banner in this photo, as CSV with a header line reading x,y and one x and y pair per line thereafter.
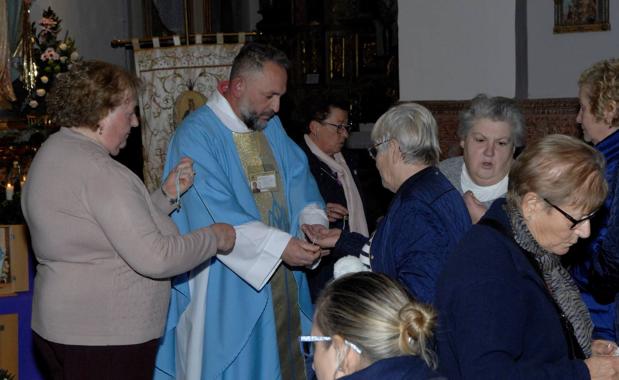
x,y
177,80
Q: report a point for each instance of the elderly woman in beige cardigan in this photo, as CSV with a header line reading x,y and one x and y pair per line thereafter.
x,y
105,247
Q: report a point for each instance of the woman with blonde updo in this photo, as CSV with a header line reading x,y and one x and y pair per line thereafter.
x,y
367,326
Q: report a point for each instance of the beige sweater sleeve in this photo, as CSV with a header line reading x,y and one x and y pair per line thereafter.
x,y
140,231
162,201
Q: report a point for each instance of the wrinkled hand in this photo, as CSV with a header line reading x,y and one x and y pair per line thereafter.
x,y
603,367
321,235
336,211
185,171
299,253
475,206
225,235
314,232
601,347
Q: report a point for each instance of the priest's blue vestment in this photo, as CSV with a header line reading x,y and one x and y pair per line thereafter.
x,y
233,332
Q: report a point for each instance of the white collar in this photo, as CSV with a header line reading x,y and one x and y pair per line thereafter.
x,y
483,193
224,112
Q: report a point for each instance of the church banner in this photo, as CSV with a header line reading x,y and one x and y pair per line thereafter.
x,y
176,81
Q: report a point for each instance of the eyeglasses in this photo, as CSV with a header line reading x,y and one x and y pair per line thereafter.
x,y
575,222
340,127
307,344
373,150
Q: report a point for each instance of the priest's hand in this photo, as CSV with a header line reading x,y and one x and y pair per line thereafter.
x,y
184,171
299,253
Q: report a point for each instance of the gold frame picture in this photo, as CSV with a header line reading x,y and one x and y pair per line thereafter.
x,y
581,16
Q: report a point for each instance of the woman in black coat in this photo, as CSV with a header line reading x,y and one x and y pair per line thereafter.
x,y
328,129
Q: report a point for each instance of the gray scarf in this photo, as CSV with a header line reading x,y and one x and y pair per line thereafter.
x,y
558,281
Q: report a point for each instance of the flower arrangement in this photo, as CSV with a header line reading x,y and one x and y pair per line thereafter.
x,y
51,56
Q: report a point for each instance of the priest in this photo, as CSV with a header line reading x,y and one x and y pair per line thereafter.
x,y
239,316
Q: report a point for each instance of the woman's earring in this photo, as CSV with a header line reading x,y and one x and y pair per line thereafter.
x,y
100,131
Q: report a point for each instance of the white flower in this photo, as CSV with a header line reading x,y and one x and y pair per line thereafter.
x,y
44,79
33,104
63,58
62,46
40,92
348,264
75,56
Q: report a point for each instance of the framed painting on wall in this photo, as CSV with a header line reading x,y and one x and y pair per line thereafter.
x,y
581,16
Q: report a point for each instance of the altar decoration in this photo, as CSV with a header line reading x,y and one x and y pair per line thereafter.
x,y
44,55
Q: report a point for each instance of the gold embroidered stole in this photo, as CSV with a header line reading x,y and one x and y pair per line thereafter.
x,y
265,181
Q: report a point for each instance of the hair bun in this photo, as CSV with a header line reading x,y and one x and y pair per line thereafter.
x,y
416,323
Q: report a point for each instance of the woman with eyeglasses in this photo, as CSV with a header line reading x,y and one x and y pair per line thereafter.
x,y
427,216
366,326
490,130
507,307
336,176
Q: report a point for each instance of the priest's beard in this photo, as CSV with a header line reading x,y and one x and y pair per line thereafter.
x,y
255,121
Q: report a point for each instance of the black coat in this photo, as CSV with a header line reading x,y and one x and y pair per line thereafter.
x,y
332,192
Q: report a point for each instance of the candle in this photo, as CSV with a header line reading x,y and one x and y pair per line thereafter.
x,y
22,182
9,191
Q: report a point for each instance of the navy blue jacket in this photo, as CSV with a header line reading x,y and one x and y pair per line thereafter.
x,y
398,368
595,261
496,317
426,219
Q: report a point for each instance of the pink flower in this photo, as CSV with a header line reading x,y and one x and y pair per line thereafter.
x,y
50,54
47,22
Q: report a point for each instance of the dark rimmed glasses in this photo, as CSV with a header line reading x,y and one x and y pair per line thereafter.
x,y
373,150
307,344
339,127
575,222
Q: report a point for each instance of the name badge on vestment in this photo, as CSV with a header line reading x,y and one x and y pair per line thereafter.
x,y
262,181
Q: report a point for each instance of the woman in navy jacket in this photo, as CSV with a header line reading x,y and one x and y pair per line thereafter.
x,y
595,264
507,308
427,216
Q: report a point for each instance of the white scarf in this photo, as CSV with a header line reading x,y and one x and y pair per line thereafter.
x,y
483,193
337,164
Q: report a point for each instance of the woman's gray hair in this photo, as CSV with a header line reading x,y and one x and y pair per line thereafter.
x,y
415,130
496,108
